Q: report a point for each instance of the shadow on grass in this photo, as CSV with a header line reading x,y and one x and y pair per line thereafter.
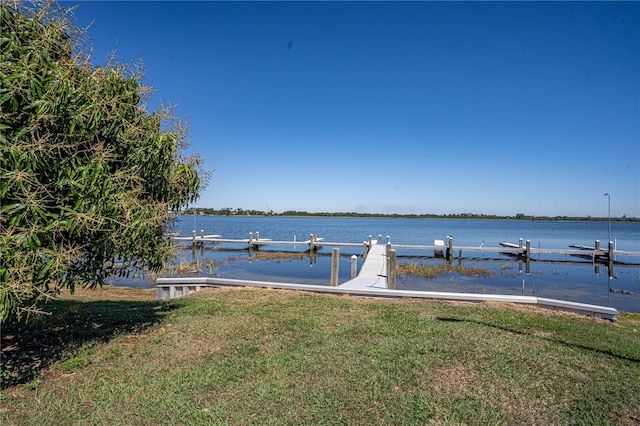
x,y
603,351
28,348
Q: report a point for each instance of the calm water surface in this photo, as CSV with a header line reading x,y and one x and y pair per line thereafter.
x,y
553,276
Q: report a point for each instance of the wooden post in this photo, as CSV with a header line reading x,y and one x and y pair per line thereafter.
x,y
449,248
391,270
250,242
520,242
597,245
354,266
202,233
379,239
446,250
364,251
528,256
335,266
310,243
387,251
193,233
388,239
610,259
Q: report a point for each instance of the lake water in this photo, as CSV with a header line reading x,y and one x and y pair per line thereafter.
x,y
554,276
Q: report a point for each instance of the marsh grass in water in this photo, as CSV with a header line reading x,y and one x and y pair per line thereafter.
x,y
415,269
432,271
257,356
211,266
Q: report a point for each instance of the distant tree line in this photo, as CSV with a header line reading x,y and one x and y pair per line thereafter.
x,y
228,211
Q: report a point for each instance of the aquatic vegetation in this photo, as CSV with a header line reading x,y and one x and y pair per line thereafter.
x,y
277,256
432,271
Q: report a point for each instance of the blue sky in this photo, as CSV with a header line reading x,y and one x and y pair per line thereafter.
x,y
397,107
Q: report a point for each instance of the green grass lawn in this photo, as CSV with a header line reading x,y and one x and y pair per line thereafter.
x,y
254,356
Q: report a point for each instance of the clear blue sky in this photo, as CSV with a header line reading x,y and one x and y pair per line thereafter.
x,y
397,107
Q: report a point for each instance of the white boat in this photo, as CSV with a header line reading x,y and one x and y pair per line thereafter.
x,y
509,245
513,246
589,252
581,247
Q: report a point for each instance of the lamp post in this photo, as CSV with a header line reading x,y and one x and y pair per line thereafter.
x,y
606,194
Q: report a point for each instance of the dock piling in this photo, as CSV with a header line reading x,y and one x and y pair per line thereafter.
x,y
391,269
354,266
610,259
335,266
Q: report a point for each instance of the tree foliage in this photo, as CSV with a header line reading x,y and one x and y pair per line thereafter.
x,y
89,177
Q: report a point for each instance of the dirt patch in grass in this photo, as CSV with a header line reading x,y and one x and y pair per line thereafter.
x,y
453,380
539,310
110,293
630,319
631,417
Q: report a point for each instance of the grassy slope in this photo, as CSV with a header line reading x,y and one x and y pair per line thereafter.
x,y
242,356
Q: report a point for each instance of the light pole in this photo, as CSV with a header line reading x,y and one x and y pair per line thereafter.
x,y
606,194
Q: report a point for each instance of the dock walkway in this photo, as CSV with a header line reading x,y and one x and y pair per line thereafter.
x,y
373,272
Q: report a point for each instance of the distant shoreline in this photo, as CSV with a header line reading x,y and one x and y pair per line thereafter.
x,y
249,213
